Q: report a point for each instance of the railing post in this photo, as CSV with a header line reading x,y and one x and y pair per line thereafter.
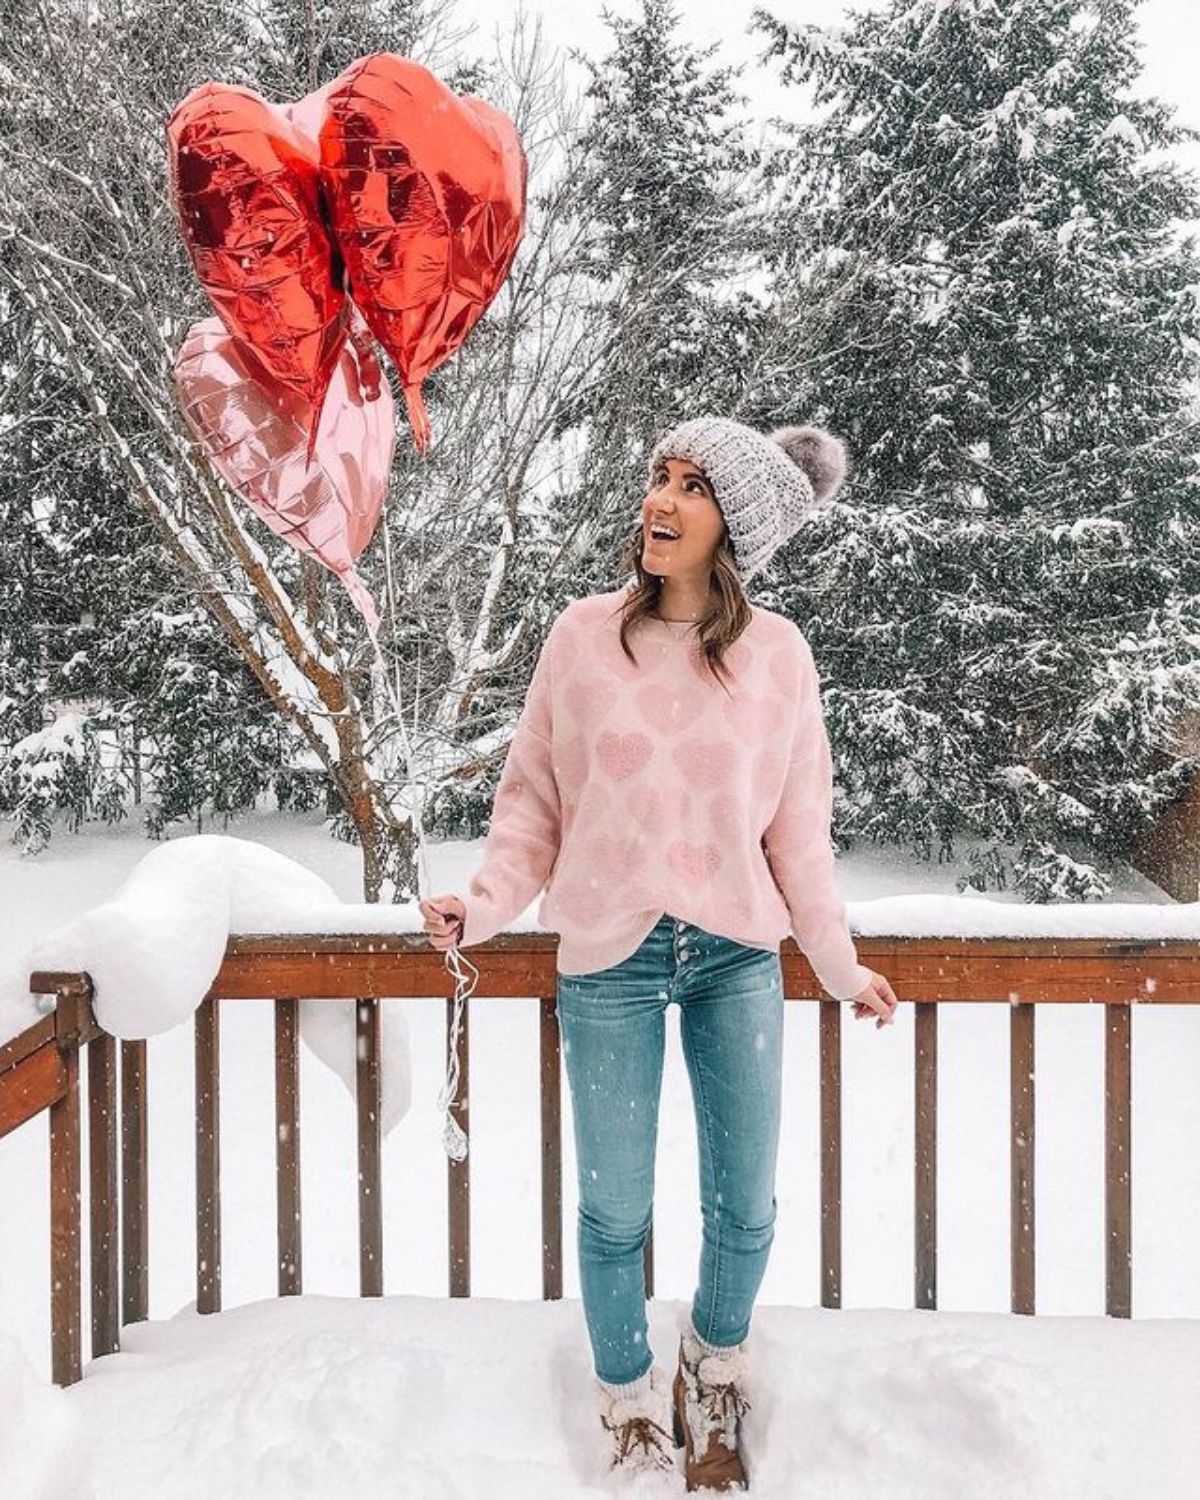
x,y
370,1149
135,1209
551,1096
102,1151
208,1157
925,1155
1118,1269
287,1147
1021,1097
831,1152
66,1324
458,1173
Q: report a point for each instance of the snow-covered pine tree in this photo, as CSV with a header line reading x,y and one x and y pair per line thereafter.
x,y
978,253
208,741
23,549
95,631
662,168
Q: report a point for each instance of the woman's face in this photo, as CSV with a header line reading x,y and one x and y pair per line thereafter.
x,y
680,498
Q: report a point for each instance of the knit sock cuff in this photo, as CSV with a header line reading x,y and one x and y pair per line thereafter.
x,y
706,1347
630,1389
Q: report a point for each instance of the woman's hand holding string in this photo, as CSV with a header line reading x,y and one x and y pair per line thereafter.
x,y
444,919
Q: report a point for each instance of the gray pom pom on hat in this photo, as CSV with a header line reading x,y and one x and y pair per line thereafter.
x,y
821,455
765,483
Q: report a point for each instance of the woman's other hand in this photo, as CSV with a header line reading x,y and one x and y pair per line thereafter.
x,y
444,918
876,998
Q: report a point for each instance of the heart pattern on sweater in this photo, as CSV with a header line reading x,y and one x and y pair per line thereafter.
x,y
615,856
701,800
669,708
706,763
694,861
624,755
588,702
645,806
738,657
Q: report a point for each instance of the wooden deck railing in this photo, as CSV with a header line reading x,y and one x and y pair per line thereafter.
x,y
39,1070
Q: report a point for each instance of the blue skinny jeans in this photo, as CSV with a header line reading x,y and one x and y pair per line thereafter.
x,y
613,1026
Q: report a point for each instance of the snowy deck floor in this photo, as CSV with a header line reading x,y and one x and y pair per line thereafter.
x,y
419,1397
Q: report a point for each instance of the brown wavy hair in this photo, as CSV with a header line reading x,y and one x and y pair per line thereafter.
x,y
728,614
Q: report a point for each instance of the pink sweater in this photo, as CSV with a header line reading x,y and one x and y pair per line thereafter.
x,y
630,791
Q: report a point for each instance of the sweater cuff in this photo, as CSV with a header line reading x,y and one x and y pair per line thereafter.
x,y
481,922
844,984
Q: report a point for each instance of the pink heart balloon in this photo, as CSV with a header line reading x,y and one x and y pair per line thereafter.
x,y
255,432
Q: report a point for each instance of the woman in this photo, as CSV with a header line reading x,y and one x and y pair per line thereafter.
x,y
669,783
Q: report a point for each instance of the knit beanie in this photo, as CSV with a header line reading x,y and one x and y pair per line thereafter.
x,y
765,483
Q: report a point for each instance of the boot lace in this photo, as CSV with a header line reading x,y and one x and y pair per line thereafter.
x,y
634,1431
722,1404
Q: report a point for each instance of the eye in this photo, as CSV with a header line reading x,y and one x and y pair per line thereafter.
x,y
661,474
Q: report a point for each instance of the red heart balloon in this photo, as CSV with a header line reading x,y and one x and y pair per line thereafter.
x,y
426,195
245,184
255,433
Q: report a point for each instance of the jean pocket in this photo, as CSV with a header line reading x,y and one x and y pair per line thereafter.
x,y
601,989
594,976
572,987
741,961
733,948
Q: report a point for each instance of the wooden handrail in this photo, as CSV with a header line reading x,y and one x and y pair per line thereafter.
x,y
39,1070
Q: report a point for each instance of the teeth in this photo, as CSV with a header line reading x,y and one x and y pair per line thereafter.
x,y
665,532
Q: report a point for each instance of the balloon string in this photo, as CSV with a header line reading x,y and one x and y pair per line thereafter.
x,y
454,1139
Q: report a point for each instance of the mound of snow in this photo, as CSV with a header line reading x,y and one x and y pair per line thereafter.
x,y
154,949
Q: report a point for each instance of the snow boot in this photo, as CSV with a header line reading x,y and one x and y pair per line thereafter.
x,y
708,1400
640,1427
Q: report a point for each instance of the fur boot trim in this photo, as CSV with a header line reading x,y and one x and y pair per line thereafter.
x,y
720,1369
715,1394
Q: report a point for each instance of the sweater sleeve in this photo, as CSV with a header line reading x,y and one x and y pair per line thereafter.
x,y
522,841
799,850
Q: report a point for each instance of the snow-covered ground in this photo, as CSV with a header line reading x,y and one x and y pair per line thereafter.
x,y
410,1398
272,1396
